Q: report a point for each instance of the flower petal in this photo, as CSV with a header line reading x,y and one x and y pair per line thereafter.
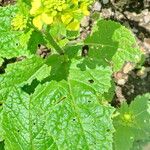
x,y
47,19
37,22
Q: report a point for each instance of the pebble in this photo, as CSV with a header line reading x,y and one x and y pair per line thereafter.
x,y
128,67
147,19
121,81
107,13
147,43
97,6
145,12
85,21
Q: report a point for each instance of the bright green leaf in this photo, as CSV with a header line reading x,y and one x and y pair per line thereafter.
x,y
59,115
10,40
1,61
23,72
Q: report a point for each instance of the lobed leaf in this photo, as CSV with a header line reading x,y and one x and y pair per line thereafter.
x,y
112,44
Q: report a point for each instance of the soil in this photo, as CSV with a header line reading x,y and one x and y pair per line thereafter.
x,y
135,15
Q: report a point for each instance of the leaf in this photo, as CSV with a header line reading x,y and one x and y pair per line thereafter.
x,y
2,145
59,115
112,44
1,130
10,40
98,77
21,73
1,61
63,114
6,15
141,144
10,45
133,123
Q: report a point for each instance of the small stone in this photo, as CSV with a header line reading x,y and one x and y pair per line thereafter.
x,y
121,81
145,12
128,67
107,13
147,43
147,19
105,1
118,75
85,22
97,6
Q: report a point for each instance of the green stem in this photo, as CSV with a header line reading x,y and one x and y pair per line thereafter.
x,y
53,43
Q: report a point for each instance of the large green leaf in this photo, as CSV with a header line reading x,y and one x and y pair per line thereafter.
x,y
63,114
59,115
112,44
133,123
23,72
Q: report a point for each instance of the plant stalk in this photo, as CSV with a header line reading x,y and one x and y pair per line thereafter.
x,y
54,43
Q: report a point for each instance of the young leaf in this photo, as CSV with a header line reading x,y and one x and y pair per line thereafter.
x,y
113,44
132,123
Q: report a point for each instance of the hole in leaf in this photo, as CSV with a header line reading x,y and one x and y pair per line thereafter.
x,y
91,81
18,130
74,119
89,101
12,16
1,103
30,88
17,44
85,50
108,130
5,63
34,123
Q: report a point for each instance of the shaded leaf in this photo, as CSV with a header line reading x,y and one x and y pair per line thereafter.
x,y
112,44
133,123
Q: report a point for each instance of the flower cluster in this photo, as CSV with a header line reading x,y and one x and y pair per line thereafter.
x,y
68,12
19,22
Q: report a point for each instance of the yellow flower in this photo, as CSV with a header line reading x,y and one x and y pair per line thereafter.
x,y
37,5
19,22
40,19
67,12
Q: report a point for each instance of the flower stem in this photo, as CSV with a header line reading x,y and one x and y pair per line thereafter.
x,y
54,43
